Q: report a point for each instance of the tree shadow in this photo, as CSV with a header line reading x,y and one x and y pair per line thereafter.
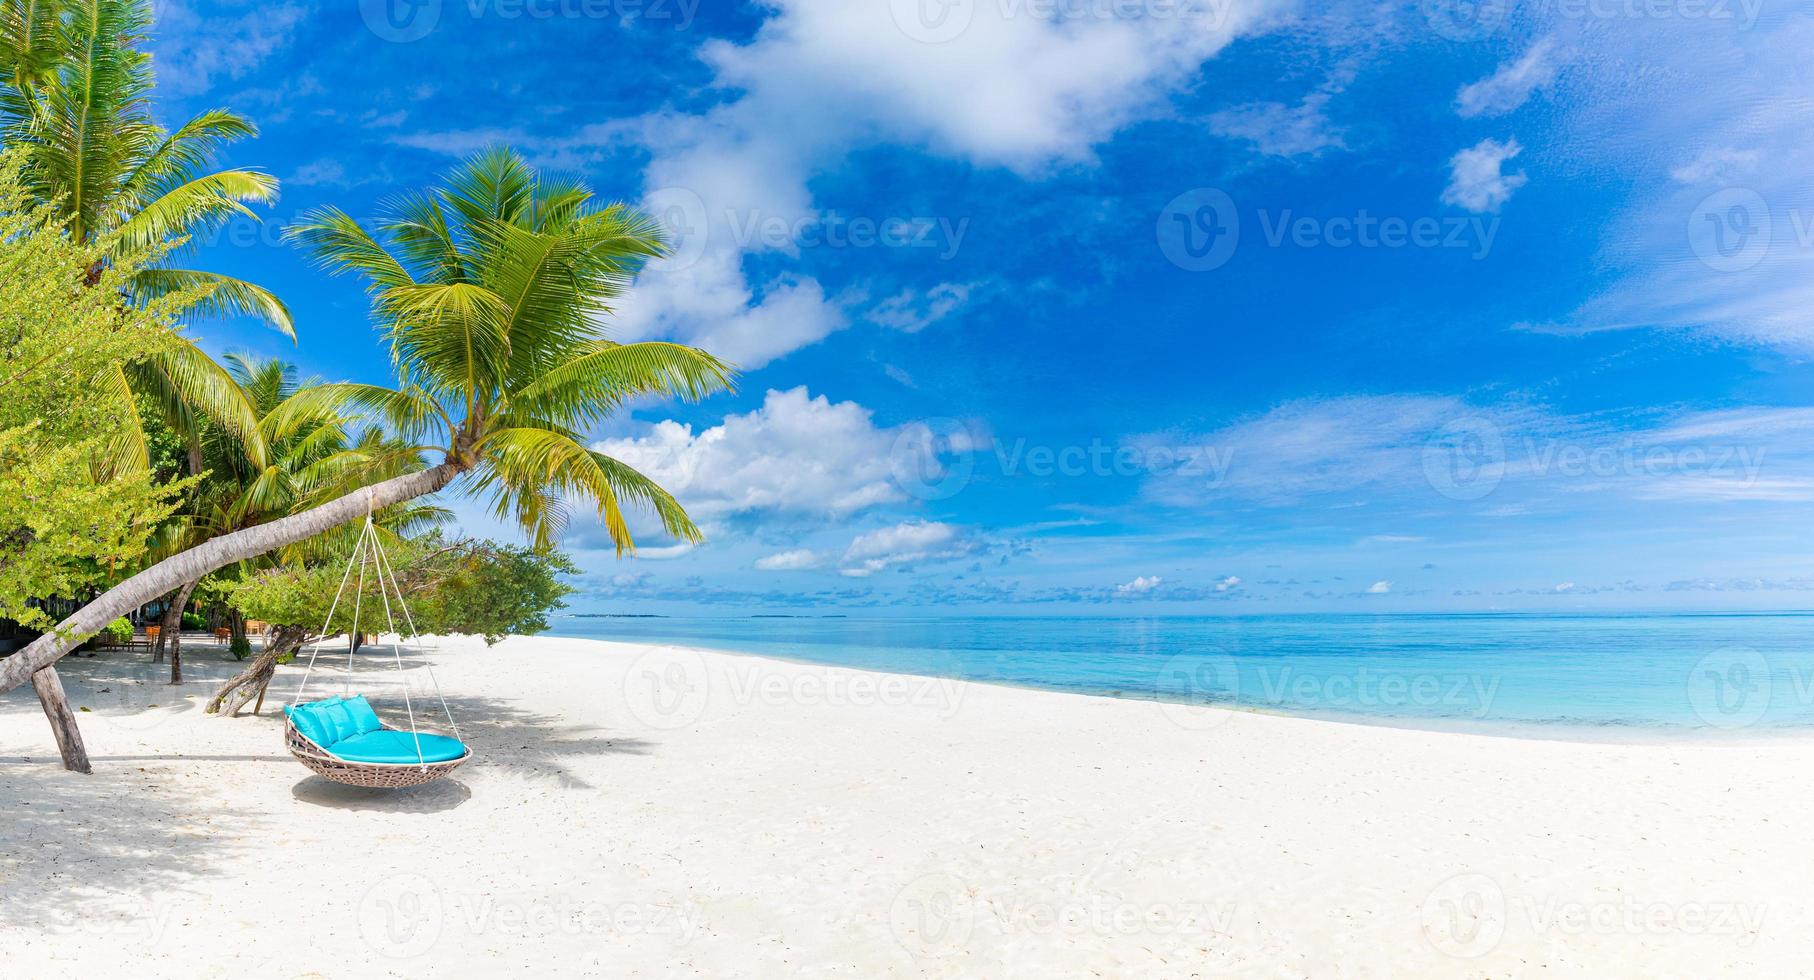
x,y
501,733
77,861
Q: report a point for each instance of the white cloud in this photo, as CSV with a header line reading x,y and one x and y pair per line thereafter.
x,y
790,561
1228,584
821,78
1141,585
1279,130
1318,446
911,310
321,173
1380,587
1712,236
1510,86
1476,182
711,306
902,544
796,454
1717,163
217,45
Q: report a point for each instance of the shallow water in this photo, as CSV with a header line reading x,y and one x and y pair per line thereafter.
x,y
1629,675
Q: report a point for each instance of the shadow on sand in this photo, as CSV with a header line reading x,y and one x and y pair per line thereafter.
x,y
436,797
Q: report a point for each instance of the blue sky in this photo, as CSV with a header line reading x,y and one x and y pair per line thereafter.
x,y
1170,306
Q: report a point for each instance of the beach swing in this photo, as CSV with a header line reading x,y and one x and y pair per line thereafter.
x,y
341,738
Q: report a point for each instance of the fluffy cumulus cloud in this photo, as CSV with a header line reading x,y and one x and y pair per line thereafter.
x,y
1380,587
1141,585
1510,86
903,544
797,454
824,77
1477,178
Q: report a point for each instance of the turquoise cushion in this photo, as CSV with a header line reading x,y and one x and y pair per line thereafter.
x,y
310,724
364,718
397,748
333,712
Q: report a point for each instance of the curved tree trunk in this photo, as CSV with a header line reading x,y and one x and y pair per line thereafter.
x,y
62,720
251,682
217,553
173,628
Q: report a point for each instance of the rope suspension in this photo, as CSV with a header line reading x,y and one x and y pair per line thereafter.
x,y
369,551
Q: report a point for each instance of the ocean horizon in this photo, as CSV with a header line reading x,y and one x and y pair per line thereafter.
x,y
1615,675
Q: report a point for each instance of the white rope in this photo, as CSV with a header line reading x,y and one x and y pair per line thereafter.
x,y
368,549
352,639
396,645
384,565
322,636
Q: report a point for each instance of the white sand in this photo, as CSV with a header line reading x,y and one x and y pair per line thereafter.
x,y
649,811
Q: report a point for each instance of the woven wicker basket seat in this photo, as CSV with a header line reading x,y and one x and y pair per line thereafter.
x,y
342,738
377,775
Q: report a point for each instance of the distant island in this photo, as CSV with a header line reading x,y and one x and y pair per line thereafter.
x,y
618,616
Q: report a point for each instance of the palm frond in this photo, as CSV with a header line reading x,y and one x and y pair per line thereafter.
x,y
215,294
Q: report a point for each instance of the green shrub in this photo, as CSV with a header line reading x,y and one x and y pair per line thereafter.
x,y
119,631
240,647
194,621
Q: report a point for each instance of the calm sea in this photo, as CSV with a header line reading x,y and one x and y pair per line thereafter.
x,y
1622,675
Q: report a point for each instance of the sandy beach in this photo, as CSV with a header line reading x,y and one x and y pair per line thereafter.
x,y
640,810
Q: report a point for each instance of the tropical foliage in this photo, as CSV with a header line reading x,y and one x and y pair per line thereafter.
x,y
75,88
468,586
63,527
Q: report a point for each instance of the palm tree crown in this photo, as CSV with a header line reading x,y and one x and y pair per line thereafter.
x,y
75,90
492,291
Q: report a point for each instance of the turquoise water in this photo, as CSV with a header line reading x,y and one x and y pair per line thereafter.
x,y
1525,674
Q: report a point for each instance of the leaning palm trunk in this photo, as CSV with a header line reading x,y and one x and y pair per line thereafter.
x,y
173,630
173,572
251,682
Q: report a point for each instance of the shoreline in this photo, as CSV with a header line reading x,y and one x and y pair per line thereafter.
x,y
1633,733
647,809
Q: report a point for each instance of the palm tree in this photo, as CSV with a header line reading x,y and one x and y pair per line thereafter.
x,y
75,88
491,291
311,461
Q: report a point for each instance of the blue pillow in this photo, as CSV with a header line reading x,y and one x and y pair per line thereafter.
x,y
310,724
337,719
364,718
